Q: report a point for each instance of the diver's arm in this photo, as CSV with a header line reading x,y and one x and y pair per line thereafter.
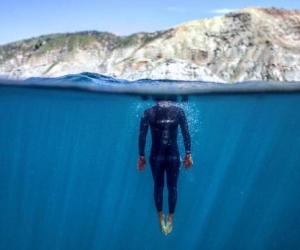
x,y
188,160
185,132
143,134
142,142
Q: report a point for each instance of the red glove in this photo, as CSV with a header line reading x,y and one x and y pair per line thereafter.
x,y
188,161
141,163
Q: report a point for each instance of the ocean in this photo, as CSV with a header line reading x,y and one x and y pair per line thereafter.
x,y
68,155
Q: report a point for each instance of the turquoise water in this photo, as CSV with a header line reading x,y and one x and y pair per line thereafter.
x,y
68,177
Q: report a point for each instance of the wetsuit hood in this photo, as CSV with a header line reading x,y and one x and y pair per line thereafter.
x,y
164,104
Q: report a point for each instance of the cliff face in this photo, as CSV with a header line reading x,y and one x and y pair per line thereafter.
x,y
250,44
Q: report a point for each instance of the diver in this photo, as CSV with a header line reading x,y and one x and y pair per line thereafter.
x,y
164,119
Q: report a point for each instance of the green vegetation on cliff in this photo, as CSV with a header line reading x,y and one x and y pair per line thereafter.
x,y
70,42
62,42
138,38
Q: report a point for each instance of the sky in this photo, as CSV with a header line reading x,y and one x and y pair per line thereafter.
x,y
32,18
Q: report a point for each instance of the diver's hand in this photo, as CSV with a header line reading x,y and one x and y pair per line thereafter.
x,y
188,161
141,164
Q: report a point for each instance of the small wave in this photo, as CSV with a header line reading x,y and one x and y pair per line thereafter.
x,y
101,83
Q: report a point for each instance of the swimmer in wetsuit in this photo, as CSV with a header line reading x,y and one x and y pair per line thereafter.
x,y
164,120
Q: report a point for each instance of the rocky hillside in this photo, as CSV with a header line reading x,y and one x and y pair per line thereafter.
x,y
250,44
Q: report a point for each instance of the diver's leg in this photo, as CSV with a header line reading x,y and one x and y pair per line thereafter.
x,y
158,178
157,169
173,165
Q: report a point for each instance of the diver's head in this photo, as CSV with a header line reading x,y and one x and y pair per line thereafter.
x,y
164,103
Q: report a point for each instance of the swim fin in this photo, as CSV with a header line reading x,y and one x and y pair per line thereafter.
x,y
168,227
161,220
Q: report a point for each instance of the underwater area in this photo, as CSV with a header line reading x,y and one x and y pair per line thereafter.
x,y
69,179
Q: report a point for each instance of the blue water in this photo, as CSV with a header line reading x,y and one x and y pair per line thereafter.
x,y
68,177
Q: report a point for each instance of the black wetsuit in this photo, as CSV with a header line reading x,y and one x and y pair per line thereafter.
x,y
164,157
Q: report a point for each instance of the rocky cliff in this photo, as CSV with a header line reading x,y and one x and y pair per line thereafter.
x,y
250,44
